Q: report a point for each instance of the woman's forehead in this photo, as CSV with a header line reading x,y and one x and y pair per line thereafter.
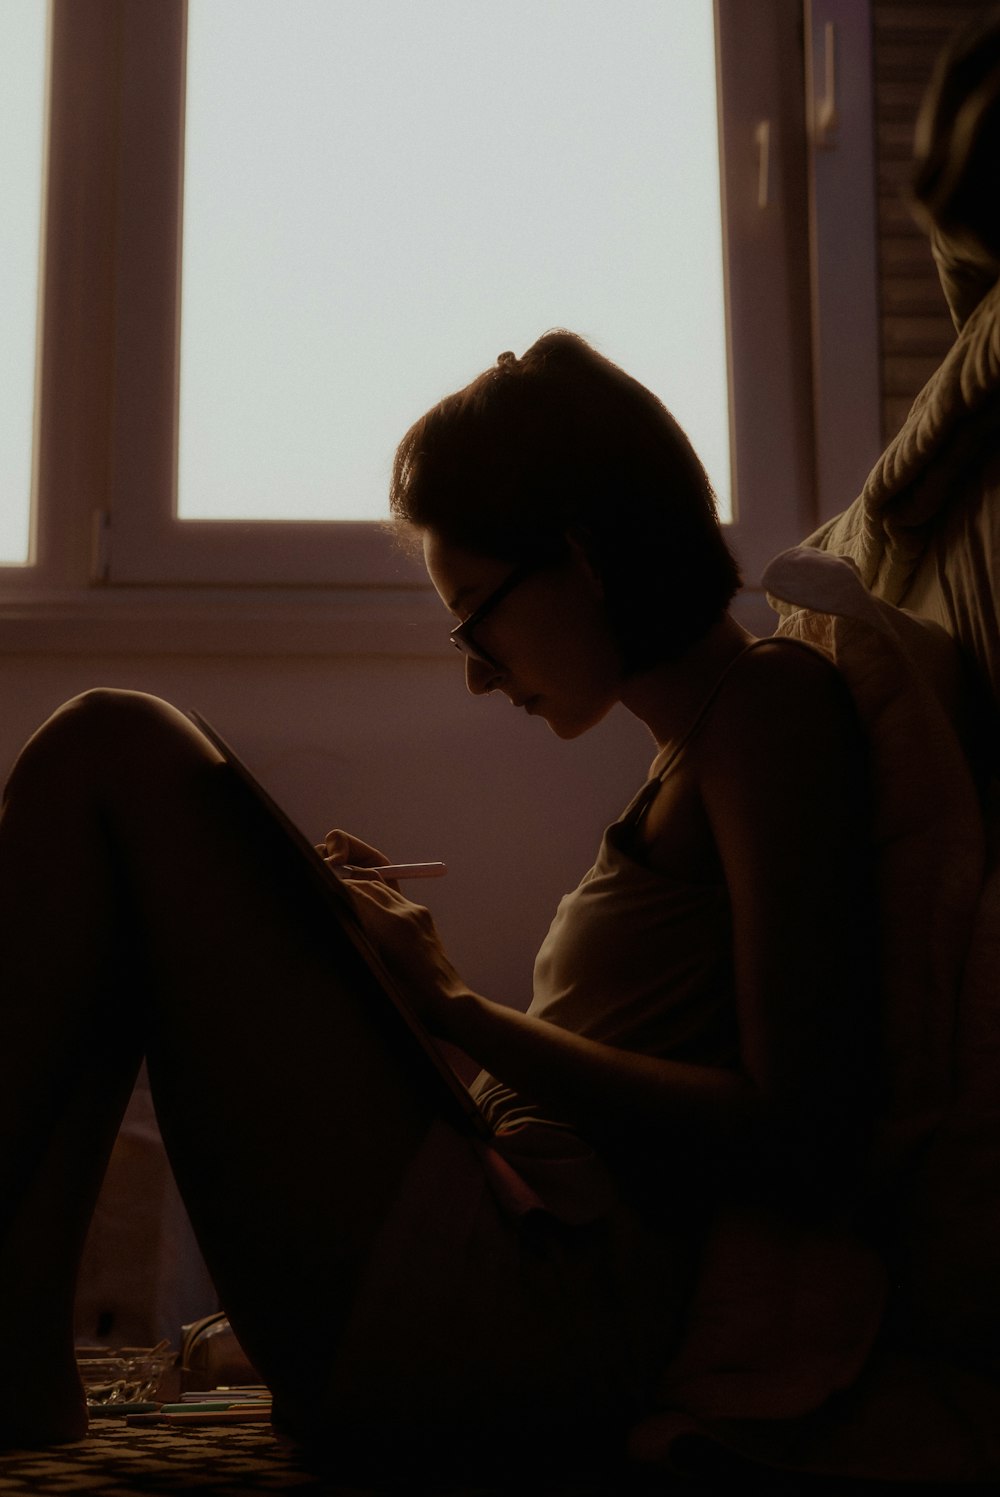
x,y
461,578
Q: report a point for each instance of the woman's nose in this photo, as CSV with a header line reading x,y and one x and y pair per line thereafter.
x,y
480,678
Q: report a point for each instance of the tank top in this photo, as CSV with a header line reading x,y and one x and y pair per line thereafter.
x,y
636,957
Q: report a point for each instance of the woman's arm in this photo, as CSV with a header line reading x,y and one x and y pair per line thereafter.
x,y
784,785
783,792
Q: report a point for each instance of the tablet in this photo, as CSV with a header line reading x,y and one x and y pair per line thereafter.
x,y
329,884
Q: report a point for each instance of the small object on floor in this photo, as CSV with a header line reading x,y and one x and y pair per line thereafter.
x,y
214,1405
211,1355
119,1410
116,1378
243,1405
248,1414
246,1393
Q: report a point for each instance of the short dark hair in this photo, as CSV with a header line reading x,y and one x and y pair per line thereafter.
x,y
558,443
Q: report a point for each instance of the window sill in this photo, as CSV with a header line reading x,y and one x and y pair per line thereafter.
x,y
265,622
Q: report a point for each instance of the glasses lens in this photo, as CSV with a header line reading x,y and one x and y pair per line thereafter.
x,y
471,651
461,637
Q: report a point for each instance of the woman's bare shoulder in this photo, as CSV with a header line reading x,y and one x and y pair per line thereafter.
x,y
784,658
783,697
784,670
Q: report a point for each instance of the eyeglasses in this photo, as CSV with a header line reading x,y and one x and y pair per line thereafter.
x,y
463,636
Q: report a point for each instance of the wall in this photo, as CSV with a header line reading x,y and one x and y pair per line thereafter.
x,y
396,750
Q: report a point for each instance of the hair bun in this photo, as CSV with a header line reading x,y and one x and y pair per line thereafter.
x,y
507,360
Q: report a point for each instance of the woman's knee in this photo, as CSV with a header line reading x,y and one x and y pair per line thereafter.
x,y
112,710
107,731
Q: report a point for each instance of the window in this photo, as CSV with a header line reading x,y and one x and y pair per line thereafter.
x,y
124,331
22,39
378,198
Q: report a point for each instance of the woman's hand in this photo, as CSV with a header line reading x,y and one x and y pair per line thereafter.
x,y
356,859
405,938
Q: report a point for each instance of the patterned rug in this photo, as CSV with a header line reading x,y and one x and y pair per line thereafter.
x,y
240,1460
116,1460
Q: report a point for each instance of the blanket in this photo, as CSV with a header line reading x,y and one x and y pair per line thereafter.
x,y
781,1363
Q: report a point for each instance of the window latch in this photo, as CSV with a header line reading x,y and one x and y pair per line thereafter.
x,y
762,140
826,121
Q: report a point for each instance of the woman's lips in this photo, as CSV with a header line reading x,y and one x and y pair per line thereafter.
x,y
528,703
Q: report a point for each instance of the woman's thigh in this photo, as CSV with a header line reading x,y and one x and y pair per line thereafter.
x,y
477,1334
290,1098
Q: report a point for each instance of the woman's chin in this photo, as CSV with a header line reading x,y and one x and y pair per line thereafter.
x,y
567,724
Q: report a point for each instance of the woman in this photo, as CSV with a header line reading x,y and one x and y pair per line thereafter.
x,y
683,1046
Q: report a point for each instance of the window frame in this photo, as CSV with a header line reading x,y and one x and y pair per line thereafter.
x,y
106,465
147,544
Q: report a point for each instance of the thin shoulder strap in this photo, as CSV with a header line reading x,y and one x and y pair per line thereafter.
x,y
638,807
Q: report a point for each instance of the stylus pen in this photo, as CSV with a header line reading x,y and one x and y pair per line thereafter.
x,y
394,870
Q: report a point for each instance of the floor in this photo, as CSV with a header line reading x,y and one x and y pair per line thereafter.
x,y
116,1461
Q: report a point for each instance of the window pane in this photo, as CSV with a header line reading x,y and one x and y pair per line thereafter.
x,y
22,41
381,196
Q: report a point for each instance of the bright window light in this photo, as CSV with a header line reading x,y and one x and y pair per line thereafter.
x,y
381,196
22,98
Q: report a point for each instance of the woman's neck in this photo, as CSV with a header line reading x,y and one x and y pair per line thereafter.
x,y
666,697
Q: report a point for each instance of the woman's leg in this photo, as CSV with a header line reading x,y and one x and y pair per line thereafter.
x,y
148,905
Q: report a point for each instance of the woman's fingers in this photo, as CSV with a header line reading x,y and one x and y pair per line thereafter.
x,y
400,924
343,849
404,935
370,886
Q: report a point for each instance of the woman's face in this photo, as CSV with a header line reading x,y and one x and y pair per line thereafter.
x,y
548,638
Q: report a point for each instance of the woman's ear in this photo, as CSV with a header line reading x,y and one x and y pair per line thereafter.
x,y
578,542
